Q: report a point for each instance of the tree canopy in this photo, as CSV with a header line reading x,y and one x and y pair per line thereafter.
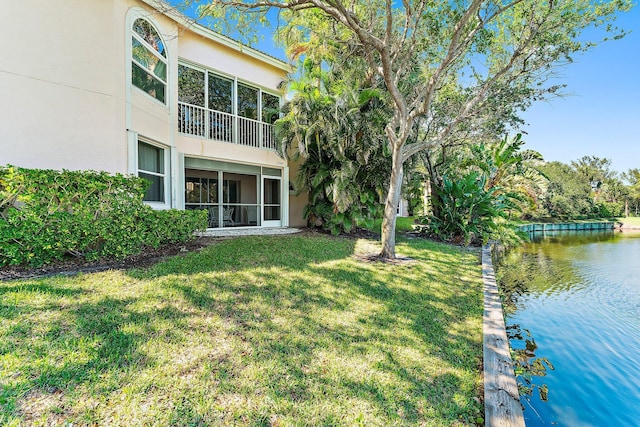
x,y
443,66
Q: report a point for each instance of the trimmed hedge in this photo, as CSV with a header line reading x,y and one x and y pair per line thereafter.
x,y
46,215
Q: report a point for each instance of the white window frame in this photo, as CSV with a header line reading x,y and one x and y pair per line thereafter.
x,y
165,176
236,81
153,51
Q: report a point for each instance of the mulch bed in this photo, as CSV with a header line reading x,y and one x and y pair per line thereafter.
x,y
72,265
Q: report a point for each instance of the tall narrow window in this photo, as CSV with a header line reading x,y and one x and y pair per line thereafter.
x,y
221,102
247,101
148,60
270,108
151,167
191,114
190,86
220,94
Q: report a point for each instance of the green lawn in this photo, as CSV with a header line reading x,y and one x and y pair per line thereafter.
x,y
632,221
258,331
403,224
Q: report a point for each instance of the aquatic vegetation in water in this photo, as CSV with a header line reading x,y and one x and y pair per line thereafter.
x,y
525,363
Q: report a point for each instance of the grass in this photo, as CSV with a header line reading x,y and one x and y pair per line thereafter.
x,y
632,221
403,224
257,331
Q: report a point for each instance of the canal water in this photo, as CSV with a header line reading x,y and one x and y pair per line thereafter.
x,y
572,305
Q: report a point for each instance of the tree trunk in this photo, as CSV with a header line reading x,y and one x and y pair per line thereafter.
x,y
391,206
436,201
435,183
426,197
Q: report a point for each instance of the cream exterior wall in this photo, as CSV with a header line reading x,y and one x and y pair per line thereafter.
x,y
297,202
62,84
66,92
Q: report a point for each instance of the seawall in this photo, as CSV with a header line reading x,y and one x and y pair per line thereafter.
x,y
570,226
502,406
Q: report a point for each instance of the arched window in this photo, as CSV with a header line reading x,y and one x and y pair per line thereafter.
x,y
148,60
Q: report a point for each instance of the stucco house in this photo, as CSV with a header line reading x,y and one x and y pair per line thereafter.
x,y
134,87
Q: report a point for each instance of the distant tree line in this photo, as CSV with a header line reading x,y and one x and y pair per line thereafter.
x,y
474,192
588,188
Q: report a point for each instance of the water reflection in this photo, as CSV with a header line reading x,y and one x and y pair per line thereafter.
x,y
573,237
572,302
527,366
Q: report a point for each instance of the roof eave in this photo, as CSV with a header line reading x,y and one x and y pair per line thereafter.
x,y
174,14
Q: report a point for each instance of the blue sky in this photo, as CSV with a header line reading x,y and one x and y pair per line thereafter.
x,y
600,116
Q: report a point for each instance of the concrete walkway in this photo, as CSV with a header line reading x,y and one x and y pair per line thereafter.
x,y
253,231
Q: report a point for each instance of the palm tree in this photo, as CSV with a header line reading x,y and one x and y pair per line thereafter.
x,y
337,131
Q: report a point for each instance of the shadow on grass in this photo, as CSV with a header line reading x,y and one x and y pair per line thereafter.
x,y
302,335
78,343
12,287
247,253
436,328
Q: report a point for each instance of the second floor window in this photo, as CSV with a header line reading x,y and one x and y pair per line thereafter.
x,y
222,109
205,89
148,60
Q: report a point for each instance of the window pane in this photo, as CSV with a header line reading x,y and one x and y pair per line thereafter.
x,y
201,186
155,193
247,102
272,191
213,190
220,94
192,190
149,34
272,213
270,108
214,211
145,81
148,60
239,188
230,191
190,86
271,171
150,158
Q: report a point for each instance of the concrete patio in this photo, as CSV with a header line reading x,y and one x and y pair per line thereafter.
x,y
253,231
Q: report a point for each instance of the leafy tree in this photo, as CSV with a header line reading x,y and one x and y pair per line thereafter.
x,y
440,64
568,194
611,203
632,177
607,189
596,171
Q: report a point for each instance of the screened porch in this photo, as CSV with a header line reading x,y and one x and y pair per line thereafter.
x,y
234,195
222,109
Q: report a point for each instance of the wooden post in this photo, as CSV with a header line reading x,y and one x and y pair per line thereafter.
x,y
502,406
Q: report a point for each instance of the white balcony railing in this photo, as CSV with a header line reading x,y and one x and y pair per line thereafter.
x,y
219,126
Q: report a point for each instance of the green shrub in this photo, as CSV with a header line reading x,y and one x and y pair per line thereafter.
x,y
360,213
468,211
609,209
46,215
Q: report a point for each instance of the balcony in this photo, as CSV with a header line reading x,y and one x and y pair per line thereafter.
x,y
224,127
